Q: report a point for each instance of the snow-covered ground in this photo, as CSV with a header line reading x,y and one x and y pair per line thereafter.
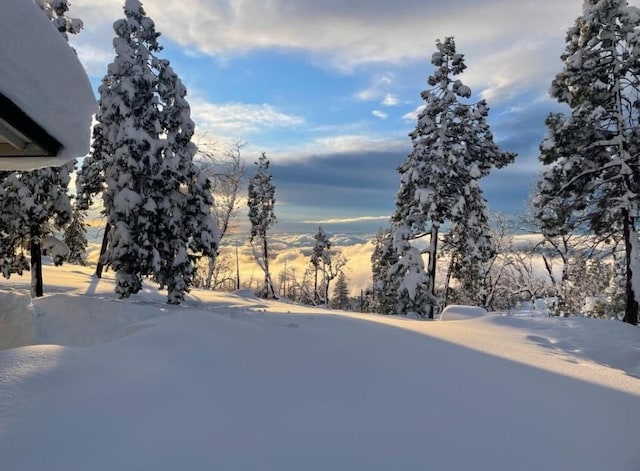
x,y
231,382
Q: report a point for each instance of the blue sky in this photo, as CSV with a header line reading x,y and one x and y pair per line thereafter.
x,y
329,89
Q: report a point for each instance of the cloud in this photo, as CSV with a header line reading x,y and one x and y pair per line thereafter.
x,y
506,73
377,88
379,114
390,100
349,220
341,144
239,118
412,116
94,59
346,34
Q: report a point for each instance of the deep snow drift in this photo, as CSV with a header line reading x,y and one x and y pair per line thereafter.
x,y
231,382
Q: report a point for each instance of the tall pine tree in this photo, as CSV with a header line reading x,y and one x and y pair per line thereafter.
x,y
592,154
75,237
156,203
452,148
340,293
471,249
320,257
385,287
261,203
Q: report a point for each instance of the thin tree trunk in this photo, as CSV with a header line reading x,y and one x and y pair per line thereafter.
x,y
103,249
631,308
237,268
268,286
432,268
36,268
447,285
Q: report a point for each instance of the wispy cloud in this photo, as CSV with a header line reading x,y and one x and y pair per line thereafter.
x,y
379,114
343,144
412,116
349,220
240,118
390,100
377,89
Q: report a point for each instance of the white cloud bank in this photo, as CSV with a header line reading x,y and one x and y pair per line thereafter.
x,y
346,34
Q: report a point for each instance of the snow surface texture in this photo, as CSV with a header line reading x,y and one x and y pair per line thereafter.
x,y
231,382
457,313
41,74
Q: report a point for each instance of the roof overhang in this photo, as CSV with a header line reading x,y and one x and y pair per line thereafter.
x,y
46,99
20,136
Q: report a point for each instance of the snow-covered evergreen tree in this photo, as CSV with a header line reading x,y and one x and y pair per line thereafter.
x,y
471,249
56,11
261,202
157,204
592,154
29,210
385,288
407,278
75,237
340,293
452,148
320,257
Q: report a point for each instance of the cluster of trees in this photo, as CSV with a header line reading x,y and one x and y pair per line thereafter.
x,y
555,275
326,264
157,186
589,189
452,149
164,223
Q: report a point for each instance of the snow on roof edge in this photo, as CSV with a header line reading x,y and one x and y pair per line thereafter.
x,y
42,75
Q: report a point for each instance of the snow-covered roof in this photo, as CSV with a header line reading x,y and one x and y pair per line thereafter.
x,y
42,76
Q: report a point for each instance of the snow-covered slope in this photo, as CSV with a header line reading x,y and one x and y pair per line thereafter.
x,y
231,382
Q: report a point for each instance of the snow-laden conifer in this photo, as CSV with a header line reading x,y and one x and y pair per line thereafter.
x,y
340,293
261,202
320,256
75,237
471,249
56,11
453,147
385,287
32,205
592,153
157,205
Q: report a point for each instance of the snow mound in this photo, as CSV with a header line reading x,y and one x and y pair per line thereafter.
x,y
245,293
60,322
16,319
56,249
459,313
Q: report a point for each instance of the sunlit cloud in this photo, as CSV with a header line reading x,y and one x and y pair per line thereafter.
x,y
239,118
343,144
348,220
412,116
377,89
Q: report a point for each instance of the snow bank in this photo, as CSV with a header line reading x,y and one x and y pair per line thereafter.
x,y
42,75
233,383
17,327
457,313
60,321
